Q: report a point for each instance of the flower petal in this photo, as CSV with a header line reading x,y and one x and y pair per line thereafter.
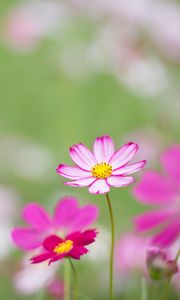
x,y
122,156
40,258
27,238
103,148
129,169
154,189
72,172
82,157
81,182
171,162
88,237
151,219
51,242
36,216
119,181
99,186
65,211
77,252
169,235
83,238
86,216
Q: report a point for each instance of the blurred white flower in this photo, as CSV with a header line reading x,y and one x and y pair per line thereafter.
x,y
8,207
27,23
164,24
100,250
31,278
151,143
25,158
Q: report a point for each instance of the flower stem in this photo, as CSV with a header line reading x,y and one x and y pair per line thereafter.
x,y
143,289
67,280
166,290
75,279
111,262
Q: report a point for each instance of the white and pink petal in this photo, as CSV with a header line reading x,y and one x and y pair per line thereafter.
x,y
103,148
130,168
119,181
72,172
99,186
122,156
82,157
81,182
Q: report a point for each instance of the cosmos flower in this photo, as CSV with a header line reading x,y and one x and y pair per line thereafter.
x,y
159,265
68,217
161,189
126,248
149,260
73,245
102,168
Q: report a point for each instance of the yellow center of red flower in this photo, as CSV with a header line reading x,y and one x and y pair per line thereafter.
x,y
64,247
101,170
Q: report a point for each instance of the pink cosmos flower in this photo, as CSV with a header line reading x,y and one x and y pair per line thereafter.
x,y
162,190
68,217
56,248
101,168
130,253
135,253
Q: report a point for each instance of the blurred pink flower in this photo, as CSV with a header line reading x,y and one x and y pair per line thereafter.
x,y
26,24
163,191
22,31
159,265
135,253
73,245
56,289
103,168
68,217
130,253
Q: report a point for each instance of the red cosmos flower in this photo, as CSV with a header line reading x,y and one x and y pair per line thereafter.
x,y
56,248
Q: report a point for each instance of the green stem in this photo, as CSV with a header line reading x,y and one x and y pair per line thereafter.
x,y
75,279
111,262
177,256
67,280
167,287
143,289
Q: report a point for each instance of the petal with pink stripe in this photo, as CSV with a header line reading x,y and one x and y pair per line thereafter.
x,y
119,181
122,156
103,149
72,172
82,157
99,186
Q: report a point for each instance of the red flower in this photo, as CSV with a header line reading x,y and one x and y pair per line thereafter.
x,y
56,248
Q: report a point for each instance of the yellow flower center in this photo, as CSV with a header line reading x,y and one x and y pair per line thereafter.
x,y
101,170
64,247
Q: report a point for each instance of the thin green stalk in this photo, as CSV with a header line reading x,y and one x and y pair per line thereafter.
x,y
177,256
167,287
143,289
75,290
111,262
67,280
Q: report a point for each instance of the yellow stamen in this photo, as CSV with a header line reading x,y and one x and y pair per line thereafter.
x,y
64,247
101,170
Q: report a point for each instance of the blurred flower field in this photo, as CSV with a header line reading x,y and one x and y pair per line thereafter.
x,y
71,71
